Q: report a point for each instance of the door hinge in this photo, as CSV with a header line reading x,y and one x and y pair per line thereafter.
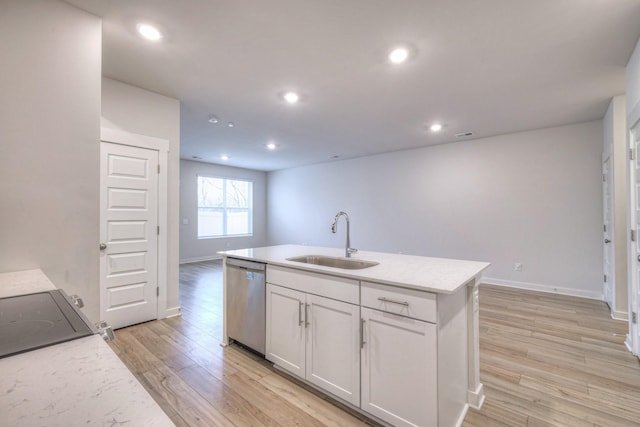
x,y
631,154
605,278
158,168
158,230
157,291
633,235
605,228
634,317
604,178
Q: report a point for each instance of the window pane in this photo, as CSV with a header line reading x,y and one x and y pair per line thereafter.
x,y
210,222
210,192
238,222
238,194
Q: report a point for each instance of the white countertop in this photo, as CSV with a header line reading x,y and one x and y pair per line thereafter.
x,y
76,383
440,275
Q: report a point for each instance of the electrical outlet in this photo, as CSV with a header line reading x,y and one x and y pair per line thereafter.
x,y
517,266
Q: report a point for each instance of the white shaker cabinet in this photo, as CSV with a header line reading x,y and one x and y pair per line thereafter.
x,y
399,369
315,338
286,335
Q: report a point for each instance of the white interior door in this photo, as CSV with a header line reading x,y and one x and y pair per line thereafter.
x,y
128,234
634,262
607,238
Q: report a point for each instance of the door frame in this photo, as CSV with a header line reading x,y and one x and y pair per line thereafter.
x,y
160,145
633,118
608,181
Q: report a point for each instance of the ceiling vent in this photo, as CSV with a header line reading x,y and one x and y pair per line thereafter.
x,y
463,134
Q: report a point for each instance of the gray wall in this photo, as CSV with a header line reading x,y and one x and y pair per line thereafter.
x,y
194,249
633,83
136,110
531,197
49,152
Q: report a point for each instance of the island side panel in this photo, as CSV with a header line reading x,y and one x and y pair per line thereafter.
x,y
475,392
225,336
452,358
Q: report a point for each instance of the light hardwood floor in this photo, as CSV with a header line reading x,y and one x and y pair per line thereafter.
x,y
545,360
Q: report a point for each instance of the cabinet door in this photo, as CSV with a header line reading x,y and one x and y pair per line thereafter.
x,y
285,343
333,347
399,369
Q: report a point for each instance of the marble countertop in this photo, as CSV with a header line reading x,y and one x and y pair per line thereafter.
x,y
440,275
76,383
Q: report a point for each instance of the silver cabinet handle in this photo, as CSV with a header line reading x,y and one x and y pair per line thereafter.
x,y
362,341
306,316
300,321
77,301
383,299
103,246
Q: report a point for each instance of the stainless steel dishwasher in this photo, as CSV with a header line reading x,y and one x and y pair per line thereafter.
x,y
246,303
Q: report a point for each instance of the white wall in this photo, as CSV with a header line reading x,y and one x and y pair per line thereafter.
x,y
530,197
193,249
136,110
615,143
49,152
633,84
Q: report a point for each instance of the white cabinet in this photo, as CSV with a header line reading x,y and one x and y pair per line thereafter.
x,y
286,338
315,338
399,369
397,354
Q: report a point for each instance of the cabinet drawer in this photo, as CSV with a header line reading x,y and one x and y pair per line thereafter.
x,y
338,288
405,302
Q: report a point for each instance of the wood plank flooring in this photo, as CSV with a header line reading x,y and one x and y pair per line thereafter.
x,y
546,360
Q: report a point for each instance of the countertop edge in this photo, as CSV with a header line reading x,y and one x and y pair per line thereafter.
x,y
351,274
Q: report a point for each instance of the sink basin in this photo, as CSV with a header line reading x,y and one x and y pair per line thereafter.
x,y
336,262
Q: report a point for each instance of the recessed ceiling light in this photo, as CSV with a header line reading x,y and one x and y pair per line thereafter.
x,y
149,32
230,124
399,55
271,146
291,97
435,127
213,119
224,157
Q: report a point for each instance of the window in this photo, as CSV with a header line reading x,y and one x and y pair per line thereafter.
x,y
225,207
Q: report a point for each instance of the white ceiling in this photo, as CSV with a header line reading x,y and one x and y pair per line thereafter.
x,y
491,67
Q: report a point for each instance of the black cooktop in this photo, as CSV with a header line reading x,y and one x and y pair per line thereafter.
x,y
32,321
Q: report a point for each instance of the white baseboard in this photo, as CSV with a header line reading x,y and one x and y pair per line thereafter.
x,y
172,312
620,315
543,288
463,414
627,343
200,259
475,398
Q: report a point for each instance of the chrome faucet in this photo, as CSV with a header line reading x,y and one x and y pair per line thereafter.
x,y
347,250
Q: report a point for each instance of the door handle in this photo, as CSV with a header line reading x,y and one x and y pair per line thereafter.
x,y
639,258
306,316
607,241
103,246
362,341
383,299
300,321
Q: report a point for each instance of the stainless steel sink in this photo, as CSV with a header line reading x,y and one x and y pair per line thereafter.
x,y
336,262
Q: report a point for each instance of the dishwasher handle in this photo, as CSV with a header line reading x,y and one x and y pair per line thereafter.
x,y
245,265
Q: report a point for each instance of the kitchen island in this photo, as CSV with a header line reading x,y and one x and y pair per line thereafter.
x,y
75,383
396,341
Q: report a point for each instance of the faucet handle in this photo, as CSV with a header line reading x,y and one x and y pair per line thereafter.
x,y
352,251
